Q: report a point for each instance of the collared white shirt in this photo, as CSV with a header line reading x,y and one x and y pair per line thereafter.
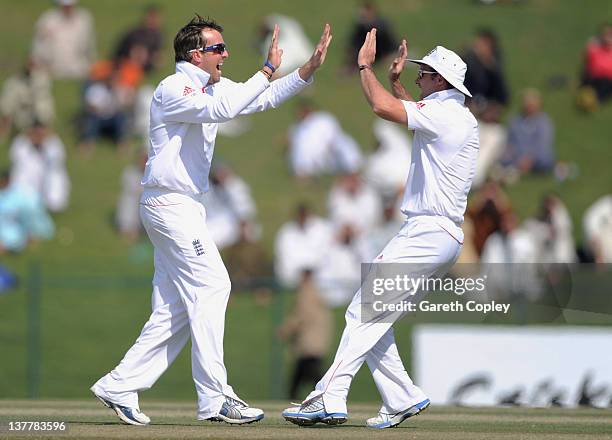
x,y
184,118
444,153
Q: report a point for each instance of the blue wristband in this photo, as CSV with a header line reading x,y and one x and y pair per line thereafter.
x,y
269,66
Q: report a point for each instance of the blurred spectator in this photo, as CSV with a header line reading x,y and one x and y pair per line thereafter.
x,y
530,138
374,241
142,107
309,328
486,209
292,39
148,35
508,259
247,262
318,145
64,40
338,274
493,137
127,216
387,168
23,218
228,203
597,70
352,202
300,245
511,243
368,18
551,231
26,97
38,164
106,112
597,225
485,70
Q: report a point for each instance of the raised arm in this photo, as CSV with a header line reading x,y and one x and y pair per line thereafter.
x,y
318,57
383,103
288,86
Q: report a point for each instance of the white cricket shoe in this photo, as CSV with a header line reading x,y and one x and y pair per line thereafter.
x,y
312,411
384,420
237,412
129,415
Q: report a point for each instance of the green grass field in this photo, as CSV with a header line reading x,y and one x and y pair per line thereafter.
x,y
89,419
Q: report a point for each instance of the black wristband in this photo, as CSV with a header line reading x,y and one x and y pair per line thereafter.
x,y
364,67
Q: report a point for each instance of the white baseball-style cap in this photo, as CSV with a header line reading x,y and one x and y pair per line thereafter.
x,y
448,64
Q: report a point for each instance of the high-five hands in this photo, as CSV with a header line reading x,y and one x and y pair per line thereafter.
x,y
397,66
367,53
318,56
274,53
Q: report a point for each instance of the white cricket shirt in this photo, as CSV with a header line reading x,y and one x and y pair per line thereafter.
x,y
184,119
444,153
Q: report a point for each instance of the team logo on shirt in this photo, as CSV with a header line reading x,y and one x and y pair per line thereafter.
x,y
420,105
197,246
187,90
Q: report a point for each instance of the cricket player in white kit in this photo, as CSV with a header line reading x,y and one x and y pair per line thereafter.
x,y
445,149
191,285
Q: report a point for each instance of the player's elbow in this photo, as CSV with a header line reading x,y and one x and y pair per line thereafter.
x,y
391,111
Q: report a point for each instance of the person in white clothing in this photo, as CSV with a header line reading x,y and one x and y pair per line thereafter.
x,y
38,164
65,41
318,145
597,227
386,169
299,245
352,202
339,269
191,285
445,149
229,205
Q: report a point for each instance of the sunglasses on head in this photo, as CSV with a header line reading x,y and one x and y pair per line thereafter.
x,y
218,48
422,72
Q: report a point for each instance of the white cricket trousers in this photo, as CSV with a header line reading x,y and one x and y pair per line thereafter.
x,y
191,288
424,241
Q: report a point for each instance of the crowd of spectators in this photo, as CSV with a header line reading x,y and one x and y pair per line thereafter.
x,y
363,198
114,104
319,257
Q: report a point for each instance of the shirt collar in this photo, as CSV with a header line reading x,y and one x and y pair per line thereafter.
x,y
198,76
443,95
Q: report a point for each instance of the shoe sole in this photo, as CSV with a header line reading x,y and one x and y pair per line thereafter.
x,y
304,420
406,416
117,411
223,419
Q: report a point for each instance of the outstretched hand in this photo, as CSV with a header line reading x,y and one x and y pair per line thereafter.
x,y
318,56
367,53
320,52
397,66
274,53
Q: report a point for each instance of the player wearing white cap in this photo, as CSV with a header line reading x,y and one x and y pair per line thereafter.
x,y
445,149
191,285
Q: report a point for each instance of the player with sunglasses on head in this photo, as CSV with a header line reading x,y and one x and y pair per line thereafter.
x,y
191,285
444,153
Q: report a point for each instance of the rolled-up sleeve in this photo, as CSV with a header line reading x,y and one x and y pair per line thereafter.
x,y
222,105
